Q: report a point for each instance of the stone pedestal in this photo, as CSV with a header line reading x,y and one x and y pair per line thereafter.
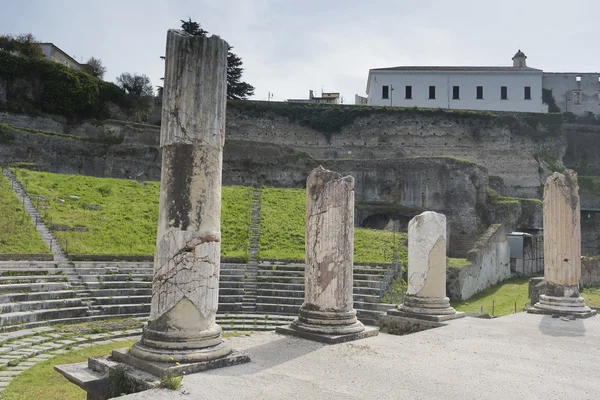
x,y
327,313
426,294
562,249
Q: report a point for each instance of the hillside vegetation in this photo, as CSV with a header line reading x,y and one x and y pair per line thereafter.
x,y
121,216
17,233
283,225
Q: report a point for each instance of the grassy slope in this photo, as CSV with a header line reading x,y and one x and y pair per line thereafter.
x,y
17,233
282,229
127,222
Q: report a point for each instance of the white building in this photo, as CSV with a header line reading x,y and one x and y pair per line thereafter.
x,y
575,92
517,88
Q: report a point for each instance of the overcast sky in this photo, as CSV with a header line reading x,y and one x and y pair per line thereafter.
x,y
291,46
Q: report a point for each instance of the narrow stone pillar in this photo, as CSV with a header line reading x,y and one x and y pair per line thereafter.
x,y
185,289
327,313
562,248
426,294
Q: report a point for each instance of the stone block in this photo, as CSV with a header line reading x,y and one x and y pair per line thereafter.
x,y
368,331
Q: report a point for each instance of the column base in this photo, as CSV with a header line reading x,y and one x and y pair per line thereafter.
x,y
366,331
563,306
328,322
181,355
427,308
173,368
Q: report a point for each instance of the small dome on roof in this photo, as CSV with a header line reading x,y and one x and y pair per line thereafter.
x,y
519,54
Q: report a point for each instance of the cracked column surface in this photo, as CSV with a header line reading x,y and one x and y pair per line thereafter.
x,y
562,247
328,301
426,294
185,289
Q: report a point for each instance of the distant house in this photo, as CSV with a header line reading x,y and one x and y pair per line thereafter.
x,y
575,92
53,53
503,88
330,98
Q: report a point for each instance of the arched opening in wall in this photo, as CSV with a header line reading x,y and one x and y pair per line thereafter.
x,y
376,221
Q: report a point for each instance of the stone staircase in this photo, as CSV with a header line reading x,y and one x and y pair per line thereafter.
x,y
280,290
34,294
45,233
249,297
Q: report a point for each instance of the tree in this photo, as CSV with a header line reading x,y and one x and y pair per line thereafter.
x,y
135,85
236,89
96,67
139,94
25,44
193,28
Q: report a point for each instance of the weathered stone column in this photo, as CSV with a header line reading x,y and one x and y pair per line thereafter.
x,y
562,248
185,289
426,294
328,307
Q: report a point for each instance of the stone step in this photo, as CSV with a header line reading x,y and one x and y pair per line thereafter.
x,y
39,305
116,278
33,287
118,285
5,280
107,292
118,309
60,321
36,296
18,318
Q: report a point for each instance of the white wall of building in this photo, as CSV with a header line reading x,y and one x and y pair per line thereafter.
x,y
515,81
564,86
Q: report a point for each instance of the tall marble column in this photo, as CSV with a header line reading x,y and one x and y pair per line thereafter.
x,y
562,248
328,307
185,289
426,294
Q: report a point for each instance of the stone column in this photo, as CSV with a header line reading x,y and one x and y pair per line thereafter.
x,y
185,289
328,301
426,294
562,248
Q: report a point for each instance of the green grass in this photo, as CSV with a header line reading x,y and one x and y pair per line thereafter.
x,y
128,220
506,293
17,233
42,382
283,224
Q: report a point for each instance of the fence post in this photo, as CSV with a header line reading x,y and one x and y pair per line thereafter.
x,y
481,309
493,306
515,307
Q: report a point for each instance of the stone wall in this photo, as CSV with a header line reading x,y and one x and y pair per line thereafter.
x,y
489,264
590,271
510,152
583,148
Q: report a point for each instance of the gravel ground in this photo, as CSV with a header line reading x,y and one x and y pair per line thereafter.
x,y
521,356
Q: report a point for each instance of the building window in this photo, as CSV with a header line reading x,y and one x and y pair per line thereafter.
x,y
385,92
527,92
431,92
578,78
408,92
479,92
577,97
503,93
455,92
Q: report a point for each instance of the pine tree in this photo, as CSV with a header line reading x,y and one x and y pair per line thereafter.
x,y
236,89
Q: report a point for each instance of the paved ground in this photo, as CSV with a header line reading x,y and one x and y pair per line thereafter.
x,y
521,356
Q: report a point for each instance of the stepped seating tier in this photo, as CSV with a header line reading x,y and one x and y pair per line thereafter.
x,y
39,293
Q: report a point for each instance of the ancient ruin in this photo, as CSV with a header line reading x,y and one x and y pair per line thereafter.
x,y
426,294
328,314
562,249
